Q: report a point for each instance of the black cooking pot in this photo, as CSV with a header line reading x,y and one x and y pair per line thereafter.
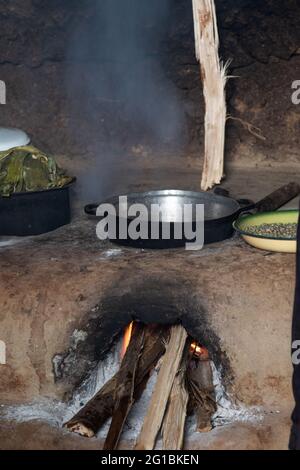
x,y
35,212
220,213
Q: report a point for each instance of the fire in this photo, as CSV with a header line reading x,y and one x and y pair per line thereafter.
x,y
199,351
196,350
126,339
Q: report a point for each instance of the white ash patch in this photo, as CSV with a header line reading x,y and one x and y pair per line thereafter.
x,y
112,253
228,411
48,411
78,336
5,242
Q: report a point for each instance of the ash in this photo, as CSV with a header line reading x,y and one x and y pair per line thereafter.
x,y
56,413
113,253
5,242
229,411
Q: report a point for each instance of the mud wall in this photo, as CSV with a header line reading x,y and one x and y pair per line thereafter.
x,y
52,72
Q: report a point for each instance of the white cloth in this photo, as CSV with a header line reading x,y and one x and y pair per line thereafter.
x,y
10,138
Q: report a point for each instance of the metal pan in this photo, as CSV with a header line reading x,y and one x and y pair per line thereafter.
x,y
220,213
35,212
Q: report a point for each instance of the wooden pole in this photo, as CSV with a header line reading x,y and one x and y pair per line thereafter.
x,y
214,82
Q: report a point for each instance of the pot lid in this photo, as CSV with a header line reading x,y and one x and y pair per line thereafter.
x,y
10,138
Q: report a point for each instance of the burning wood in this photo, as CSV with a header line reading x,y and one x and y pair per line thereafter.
x,y
202,391
88,421
126,339
185,377
126,384
199,352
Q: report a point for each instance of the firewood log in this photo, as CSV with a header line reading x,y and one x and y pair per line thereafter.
x,y
174,420
88,421
202,393
125,386
160,396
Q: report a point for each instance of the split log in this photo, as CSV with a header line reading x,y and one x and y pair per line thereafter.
x,y
88,421
202,393
214,83
160,396
174,420
125,386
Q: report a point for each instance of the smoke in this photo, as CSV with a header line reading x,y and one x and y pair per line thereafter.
x,y
120,97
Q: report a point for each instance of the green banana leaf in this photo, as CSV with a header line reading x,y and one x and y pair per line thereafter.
x,y
28,169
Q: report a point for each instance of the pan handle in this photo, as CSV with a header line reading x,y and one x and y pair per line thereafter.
x,y
225,193
278,198
91,209
275,200
221,192
245,202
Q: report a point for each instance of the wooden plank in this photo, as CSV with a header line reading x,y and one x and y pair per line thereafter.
x,y
174,420
160,396
214,82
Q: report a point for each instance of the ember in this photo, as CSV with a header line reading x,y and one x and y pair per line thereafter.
x,y
199,352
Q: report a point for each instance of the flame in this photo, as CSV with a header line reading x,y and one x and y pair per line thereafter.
x,y
199,351
126,339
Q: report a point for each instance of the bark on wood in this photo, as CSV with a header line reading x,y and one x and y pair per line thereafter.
x,y
95,413
174,420
160,396
202,393
214,82
125,386
88,421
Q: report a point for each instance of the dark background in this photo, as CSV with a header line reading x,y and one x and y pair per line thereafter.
x,y
113,85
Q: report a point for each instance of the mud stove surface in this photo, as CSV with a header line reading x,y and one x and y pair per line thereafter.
x,y
234,301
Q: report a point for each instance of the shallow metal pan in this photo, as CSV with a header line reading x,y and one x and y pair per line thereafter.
x,y
220,212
